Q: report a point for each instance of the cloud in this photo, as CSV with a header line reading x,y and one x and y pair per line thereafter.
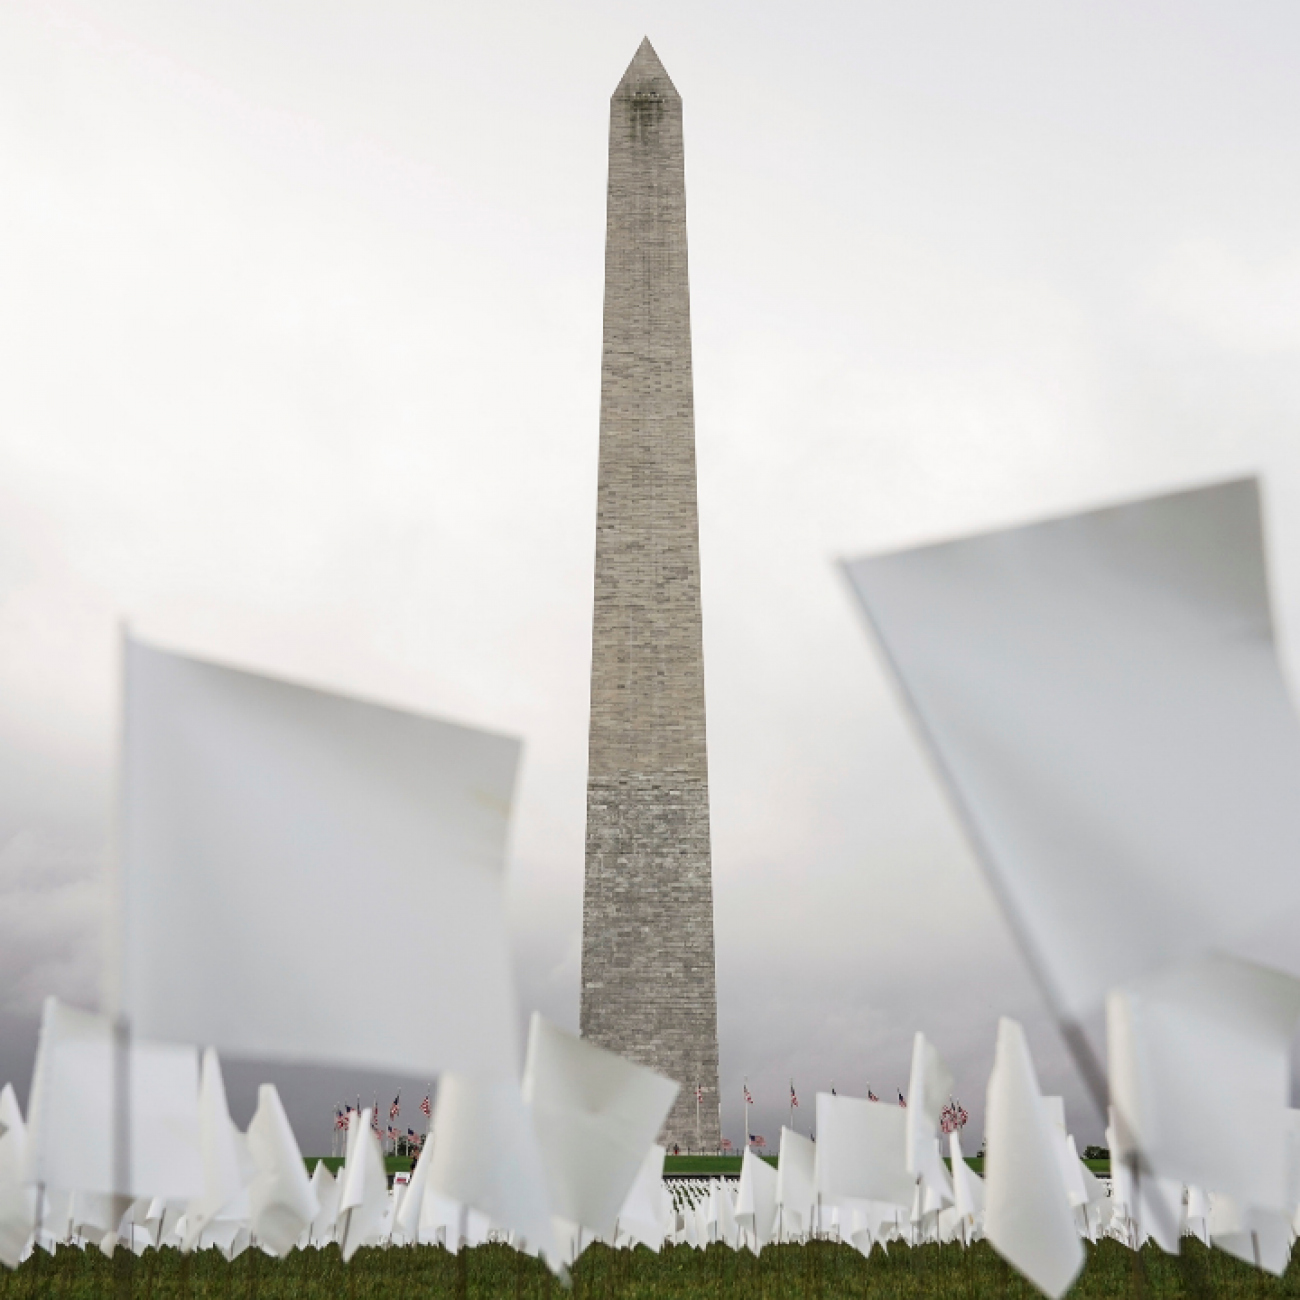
x,y
51,923
1231,300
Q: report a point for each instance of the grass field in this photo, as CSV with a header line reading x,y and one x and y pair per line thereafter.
x,y
718,1166
394,1164
820,1271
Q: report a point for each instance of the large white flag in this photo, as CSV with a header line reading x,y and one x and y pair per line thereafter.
x,y
1102,696
1027,1217
1200,1079
862,1151
594,1114
82,1138
265,823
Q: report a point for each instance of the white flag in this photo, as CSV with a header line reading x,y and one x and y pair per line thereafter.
x,y
1200,1078
1102,695
265,823
595,1114
1027,1218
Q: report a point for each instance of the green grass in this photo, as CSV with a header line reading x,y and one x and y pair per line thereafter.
x,y
717,1165
720,1165
393,1164
820,1271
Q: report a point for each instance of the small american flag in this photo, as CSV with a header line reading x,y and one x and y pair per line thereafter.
x,y
396,1108
953,1117
699,1093
341,1117
726,1144
756,1140
794,1101
749,1101
871,1096
425,1108
902,1101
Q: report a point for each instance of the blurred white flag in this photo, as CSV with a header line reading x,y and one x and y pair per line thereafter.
x,y
862,1151
595,1114
1102,696
1027,1217
17,1196
796,1182
265,823
648,1208
929,1087
74,1122
485,1155
363,1189
228,1166
282,1201
756,1197
1200,1077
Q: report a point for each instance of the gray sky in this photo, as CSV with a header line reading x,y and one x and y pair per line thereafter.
x,y
300,326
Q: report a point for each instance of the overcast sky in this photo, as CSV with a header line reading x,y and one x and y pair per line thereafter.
x,y
300,316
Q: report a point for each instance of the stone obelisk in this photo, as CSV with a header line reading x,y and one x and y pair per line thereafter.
x,y
648,984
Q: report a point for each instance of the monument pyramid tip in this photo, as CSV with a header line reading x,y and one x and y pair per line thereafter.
x,y
646,75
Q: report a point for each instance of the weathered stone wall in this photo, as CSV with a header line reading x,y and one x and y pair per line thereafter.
x,y
648,982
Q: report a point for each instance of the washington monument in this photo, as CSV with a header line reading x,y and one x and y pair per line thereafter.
x,y
648,984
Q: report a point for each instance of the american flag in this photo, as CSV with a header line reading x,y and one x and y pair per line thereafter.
x,y
794,1101
953,1117
374,1118
756,1140
749,1101
725,1144
871,1096
425,1108
699,1093
902,1101
396,1108
341,1117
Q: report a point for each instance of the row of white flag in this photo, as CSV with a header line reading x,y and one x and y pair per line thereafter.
x,y
567,1159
